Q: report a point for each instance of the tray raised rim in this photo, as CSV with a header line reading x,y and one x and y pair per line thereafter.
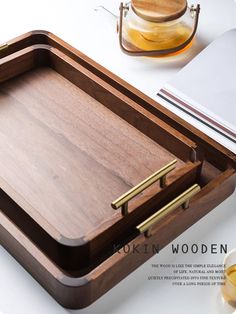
x,y
46,40
31,46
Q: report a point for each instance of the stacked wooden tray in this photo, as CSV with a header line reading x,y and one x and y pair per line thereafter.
x,y
89,165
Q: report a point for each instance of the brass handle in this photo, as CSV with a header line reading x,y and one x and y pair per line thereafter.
x,y
183,199
123,200
3,46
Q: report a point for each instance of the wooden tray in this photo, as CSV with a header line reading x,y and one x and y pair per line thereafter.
x,y
74,137
71,144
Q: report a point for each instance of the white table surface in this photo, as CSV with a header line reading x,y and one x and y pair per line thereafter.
x,y
91,32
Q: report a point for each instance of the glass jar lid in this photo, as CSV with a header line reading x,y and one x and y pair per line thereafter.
x,y
159,10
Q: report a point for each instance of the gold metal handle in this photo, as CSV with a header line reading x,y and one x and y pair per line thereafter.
x,y
3,46
123,200
183,199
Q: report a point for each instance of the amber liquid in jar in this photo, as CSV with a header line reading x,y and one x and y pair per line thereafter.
x,y
229,287
158,39
140,34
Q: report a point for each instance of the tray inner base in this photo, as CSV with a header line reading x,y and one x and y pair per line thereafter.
x,y
66,154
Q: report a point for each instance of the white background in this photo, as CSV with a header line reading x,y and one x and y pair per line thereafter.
x,y
94,34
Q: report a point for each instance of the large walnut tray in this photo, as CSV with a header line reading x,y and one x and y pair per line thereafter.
x,y
73,139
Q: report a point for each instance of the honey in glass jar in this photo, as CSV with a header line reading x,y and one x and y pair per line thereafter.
x,y
157,27
229,287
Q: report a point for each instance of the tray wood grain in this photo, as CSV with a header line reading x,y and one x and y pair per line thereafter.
x,y
70,144
66,125
76,292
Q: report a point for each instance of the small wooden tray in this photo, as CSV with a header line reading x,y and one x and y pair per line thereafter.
x,y
71,144
74,138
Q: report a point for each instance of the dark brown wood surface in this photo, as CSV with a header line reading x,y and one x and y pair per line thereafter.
x,y
79,143
67,154
66,125
78,292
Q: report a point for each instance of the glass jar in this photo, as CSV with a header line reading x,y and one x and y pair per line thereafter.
x,y
229,287
157,27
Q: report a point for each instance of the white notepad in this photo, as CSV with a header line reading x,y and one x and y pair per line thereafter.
x,y
206,87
